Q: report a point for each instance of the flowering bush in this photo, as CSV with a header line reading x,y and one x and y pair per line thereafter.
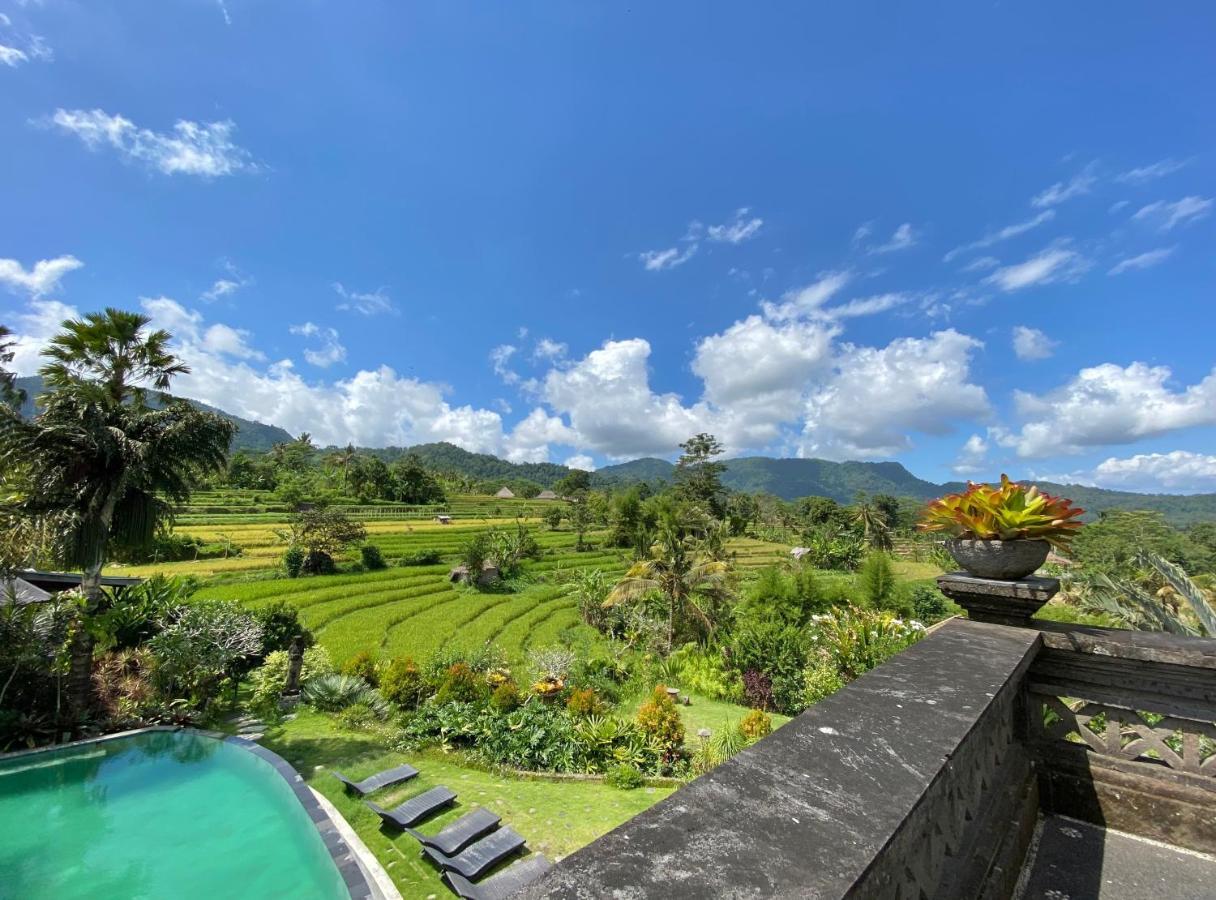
x,y
362,665
401,683
583,703
856,640
461,685
1006,513
660,719
756,724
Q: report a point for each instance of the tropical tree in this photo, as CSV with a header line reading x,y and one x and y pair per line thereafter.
x,y
699,475
98,455
8,391
342,459
874,525
691,586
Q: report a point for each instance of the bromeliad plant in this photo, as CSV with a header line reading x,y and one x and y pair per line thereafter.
x,y
1010,512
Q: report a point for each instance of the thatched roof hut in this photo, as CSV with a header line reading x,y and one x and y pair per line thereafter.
x,y
546,495
505,494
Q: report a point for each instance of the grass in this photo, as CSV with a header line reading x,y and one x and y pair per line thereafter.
x,y
716,715
555,818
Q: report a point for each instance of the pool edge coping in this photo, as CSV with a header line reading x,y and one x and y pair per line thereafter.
x,y
349,861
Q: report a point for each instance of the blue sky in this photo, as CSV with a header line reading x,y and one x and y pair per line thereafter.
x,y
973,238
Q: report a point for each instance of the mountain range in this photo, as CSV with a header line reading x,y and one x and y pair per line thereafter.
x,y
250,435
784,478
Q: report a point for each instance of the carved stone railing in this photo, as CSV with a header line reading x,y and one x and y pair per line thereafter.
x,y
1122,726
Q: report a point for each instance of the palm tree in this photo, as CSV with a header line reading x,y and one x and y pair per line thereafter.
x,y
874,525
8,392
99,454
690,585
343,459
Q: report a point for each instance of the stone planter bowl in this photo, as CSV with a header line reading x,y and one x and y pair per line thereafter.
x,y
1000,560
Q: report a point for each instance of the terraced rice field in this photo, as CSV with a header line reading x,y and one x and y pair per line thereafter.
x,y
413,610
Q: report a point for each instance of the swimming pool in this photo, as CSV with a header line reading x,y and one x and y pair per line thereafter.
x,y
157,814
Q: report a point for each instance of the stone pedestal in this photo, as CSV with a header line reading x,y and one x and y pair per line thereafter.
x,y
998,602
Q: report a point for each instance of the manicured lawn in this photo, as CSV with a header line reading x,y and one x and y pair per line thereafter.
x,y
715,715
556,818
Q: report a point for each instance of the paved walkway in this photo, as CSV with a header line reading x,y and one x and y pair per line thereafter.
x,y
1079,861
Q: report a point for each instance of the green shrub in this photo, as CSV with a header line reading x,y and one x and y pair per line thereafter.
x,y
421,558
821,679
358,716
857,640
929,605
401,683
281,625
270,679
506,697
293,561
624,777
583,703
334,693
705,672
660,719
775,650
372,558
461,685
318,562
362,665
756,724
877,581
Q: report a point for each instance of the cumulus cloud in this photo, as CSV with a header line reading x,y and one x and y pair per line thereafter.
x,y
876,396
227,286
330,351
366,303
1031,344
39,281
1079,184
191,148
1001,234
1109,404
972,458
1166,216
1142,261
33,329
531,437
548,349
1151,172
1179,470
580,461
1056,263
500,358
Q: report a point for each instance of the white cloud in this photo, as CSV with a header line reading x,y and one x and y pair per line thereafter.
x,y
972,458
863,232
1179,470
1108,404
580,461
658,260
865,306
1079,184
735,232
225,287
11,56
40,280
806,300
547,349
500,356
1142,261
331,350
877,396
365,303
981,264
1056,263
192,148
224,11
902,238
1002,234
1031,344
531,437
608,399
1152,172
1181,212
33,330
220,338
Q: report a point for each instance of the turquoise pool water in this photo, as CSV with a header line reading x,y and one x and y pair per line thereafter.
x,y
157,815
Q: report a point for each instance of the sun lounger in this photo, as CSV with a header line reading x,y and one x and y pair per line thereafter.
x,y
415,809
479,857
379,780
502,885
460,833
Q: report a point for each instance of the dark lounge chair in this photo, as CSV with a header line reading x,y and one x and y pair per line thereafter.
x,y
379,780
504,884
415,809
460,833
477,858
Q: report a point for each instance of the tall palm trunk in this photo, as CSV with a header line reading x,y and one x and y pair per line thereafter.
x,y
80,667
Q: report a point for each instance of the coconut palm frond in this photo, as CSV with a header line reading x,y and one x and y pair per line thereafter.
x,y
1192,593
